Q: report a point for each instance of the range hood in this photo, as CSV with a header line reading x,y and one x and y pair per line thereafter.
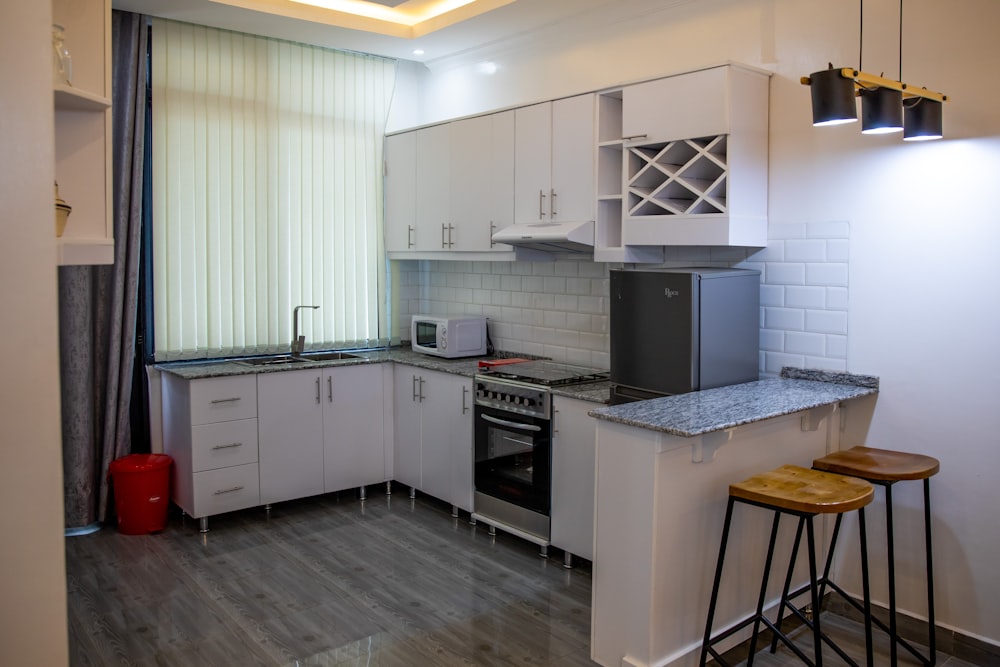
x,y
549,236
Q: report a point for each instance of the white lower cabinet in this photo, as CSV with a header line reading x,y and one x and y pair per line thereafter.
x,y
353,433
433,434
321,431
290,423
573,460
210,431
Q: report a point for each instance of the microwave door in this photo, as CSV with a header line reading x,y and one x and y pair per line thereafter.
x,y
469,337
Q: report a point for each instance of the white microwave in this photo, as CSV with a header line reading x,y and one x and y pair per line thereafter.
x,y
449,337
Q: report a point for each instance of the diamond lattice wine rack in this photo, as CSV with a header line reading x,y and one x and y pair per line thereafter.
x,y
684,177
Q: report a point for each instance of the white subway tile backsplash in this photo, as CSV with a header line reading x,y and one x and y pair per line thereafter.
x,y
559,309
786,319
797,342
826,321
805,296
834,274
785,273
805,250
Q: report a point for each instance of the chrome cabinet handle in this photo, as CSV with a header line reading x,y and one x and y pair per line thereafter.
x,y
444,244
226,400
329,388
232,490
634,136
554,422
465,390
541,204
552,204
492,230
317,391
451,228
504,422
229,446
409,236
414,387
421,389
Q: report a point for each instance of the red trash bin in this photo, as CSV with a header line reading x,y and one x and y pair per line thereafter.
x,y
142,492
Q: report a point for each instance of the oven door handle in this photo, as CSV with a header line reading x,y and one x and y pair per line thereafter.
x,y
504,422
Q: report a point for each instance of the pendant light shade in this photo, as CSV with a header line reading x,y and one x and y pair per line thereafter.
x,y
922,120
833,100
881,110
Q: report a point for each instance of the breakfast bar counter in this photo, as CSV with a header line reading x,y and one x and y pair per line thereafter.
x,y
663,472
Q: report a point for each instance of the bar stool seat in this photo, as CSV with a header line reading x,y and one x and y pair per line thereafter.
x,y
802,493
885,467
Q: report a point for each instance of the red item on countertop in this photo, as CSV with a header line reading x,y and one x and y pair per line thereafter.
x,y
501,362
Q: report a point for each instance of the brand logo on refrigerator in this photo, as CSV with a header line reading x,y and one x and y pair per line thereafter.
x,y
670,293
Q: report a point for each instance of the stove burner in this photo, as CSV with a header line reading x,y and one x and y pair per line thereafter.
x,y
546,373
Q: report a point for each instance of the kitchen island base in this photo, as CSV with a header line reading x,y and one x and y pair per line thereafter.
x,y
660,505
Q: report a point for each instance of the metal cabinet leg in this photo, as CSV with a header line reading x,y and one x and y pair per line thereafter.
x,y
363,492
543,552
203,524
413,493
388,488
493,531
567,560
454,511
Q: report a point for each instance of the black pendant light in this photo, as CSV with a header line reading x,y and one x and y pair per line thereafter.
x,y
881,110
922,120
887,105
833,100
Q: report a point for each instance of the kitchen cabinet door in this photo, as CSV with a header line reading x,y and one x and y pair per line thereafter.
x,y
290,434
400,191
482,181
677,107
572,196
573,461
554,161
433,202
406,421
532,162
354,446
446,438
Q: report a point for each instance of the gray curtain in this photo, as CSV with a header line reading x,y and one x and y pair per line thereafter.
x,y
97,304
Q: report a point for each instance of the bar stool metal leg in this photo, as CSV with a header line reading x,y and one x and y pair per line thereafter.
x,y
763,588
715,585
932,638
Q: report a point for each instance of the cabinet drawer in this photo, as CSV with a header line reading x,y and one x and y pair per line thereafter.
x,y
226,490
223,444
223,399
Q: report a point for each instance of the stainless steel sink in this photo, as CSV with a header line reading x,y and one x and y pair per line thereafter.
x,y
327,356
291,359
273,360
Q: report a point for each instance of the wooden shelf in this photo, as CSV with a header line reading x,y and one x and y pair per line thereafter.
x,y
67,98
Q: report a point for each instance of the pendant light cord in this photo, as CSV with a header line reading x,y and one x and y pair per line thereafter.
x,y
900,40
861,34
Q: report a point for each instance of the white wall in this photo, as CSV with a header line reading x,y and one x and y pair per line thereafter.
x,y
924,221
32,561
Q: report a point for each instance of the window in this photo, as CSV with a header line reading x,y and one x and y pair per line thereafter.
x,y
267,193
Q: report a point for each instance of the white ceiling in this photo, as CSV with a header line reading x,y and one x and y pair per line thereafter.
x,y
516,19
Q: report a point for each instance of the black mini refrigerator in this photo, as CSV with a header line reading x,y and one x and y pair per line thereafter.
x,y
680,330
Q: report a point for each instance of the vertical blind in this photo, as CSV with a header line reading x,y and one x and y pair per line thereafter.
x,y
267,193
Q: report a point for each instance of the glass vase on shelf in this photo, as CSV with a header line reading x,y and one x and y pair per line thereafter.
x,y
62,61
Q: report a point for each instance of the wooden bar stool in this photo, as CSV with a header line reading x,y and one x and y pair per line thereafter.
x,y
802,493
884,468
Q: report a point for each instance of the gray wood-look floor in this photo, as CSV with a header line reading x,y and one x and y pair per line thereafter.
x,y
333,581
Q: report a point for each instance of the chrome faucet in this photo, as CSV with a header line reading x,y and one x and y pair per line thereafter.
x,y
298,342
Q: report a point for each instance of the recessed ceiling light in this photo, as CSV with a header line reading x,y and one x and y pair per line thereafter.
x,y
418,52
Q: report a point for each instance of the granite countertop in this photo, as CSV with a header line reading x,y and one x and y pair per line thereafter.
x,y
593,392
701,412
195,370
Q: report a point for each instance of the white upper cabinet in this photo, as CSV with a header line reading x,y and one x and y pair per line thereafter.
x,y
679,107
482,181
554,161
400,191
83,132
449,186
695,159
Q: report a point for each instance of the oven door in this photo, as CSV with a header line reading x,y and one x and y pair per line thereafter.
x,y
513,458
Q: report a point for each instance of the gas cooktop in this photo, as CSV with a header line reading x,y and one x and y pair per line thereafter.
x,y
546,373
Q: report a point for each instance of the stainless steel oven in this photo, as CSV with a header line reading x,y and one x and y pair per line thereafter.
x,y
513,445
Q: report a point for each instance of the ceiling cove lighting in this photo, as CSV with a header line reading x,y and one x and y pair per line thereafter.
x,y
887,105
